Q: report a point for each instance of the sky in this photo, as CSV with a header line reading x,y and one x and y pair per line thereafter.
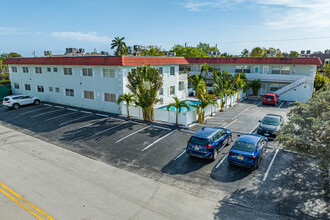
x,y
29,26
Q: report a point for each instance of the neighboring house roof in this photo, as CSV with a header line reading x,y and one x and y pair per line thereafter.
x,y
97,61
257,60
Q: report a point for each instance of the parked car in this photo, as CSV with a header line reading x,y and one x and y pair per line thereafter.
x,y
270,99
248,150
207,142
16,101
270,124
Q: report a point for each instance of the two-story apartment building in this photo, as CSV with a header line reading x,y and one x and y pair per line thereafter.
x,y
291,78
92,82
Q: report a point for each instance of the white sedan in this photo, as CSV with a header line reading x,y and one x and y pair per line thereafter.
x,y
16,101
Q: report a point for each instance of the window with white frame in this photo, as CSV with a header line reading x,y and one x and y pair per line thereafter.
x,y
55,69
49,69
40,88
172,70
57,89
67,71
14,69
25,69
276,70
87,72
285,70
109,73
109,97
238,69
247,69
161,91
88,94
38,70
181,86
69,92
16,85
172,90
50,88
28,87
161,70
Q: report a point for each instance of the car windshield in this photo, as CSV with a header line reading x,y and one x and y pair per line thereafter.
x,y
271,121
5,99
269,97
242,146
199,141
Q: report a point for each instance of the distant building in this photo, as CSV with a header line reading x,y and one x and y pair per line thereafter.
x,y
324,57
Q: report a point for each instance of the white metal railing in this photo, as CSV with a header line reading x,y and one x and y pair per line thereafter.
x,y
309,79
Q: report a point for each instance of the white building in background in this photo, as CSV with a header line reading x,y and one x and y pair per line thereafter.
x,y
291,78
92,82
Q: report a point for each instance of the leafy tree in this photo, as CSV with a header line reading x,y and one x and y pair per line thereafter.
x,y
144,82
225,54
152,50
206,69
245,53
325,70
255,85
294,54
178,105
205,48
308,128
194,80
320,82
129,98
13,54
118,43
201,50
257,52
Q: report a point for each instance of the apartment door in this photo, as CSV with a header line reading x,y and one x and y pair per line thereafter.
x,y
265,70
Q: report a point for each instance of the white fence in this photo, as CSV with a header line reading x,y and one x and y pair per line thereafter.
x,y
184,118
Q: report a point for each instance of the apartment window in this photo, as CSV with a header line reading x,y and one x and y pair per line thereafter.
x,y
238,69
28,87
88,94
55,69
109,73
57,90
161,91
40,88
50,88
161,70
108,97
172,90
181,86
172,71
38,70
69,92
14,69
275,70
25,69
247,69
285,70
16,85
49,69
67,71
87,71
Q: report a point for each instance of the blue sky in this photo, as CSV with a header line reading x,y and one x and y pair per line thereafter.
x,y
38,25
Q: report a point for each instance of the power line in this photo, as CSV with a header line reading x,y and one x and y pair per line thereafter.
x,y
292,39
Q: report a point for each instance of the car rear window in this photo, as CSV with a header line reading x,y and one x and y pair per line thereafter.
x,y
269,97
271,121
242,146
199,141
5,99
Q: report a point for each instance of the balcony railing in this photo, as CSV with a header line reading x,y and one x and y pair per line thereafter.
x,y
183,77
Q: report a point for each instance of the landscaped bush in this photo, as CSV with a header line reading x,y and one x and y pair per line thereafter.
x,y
4,77
5,82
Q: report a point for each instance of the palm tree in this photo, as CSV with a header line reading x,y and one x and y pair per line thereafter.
x,y
245,53
144,83
221,85
129,98
206,68
213,102
120,44
178,105
194,80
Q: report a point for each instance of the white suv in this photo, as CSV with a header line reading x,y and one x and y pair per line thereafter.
x,y
16,101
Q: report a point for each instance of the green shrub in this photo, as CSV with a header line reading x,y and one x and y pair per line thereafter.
x,y
5,82
4,77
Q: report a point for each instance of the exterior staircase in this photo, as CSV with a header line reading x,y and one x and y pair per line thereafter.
x,y
295,84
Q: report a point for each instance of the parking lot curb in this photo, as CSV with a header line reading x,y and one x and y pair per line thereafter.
x,y
294,152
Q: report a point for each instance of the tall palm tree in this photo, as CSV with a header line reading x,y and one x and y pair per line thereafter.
x,y
206,69
118,43
178,105
129,98
144,83
194,80
222,85
213,102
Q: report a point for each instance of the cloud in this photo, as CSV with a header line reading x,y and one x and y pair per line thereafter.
x,y
90,36
16,31
194,5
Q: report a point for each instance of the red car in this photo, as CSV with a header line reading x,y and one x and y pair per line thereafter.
x,y
270,99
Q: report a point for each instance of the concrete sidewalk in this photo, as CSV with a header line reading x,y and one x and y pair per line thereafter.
x,y
67,185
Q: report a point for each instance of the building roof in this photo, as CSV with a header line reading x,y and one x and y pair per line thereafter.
x,y
257,60
97,61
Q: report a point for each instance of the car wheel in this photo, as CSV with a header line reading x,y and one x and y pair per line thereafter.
x,y
229,140
215,154
37,102
16,106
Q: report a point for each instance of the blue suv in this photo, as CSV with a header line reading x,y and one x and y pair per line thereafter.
x,y
206,142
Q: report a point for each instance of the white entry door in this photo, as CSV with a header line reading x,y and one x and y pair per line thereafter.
x,y
265,70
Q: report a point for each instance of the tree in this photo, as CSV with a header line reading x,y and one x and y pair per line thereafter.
x,y
144,82
239,83
255,85
152,50
245,53
129,98
206,69
220,85
325,70
213,102
119,44
308,128
178,105
293,54
321,82
206,48
13,54
194,80
257,52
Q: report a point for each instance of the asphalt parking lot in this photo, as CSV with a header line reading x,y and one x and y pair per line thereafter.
x,y
285,185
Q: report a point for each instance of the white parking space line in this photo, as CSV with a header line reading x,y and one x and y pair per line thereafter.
x,y
280,105
118,119
35,110
108,129
77,119
48,105
254,129
86,112
45,113
177,157
230,123
243,112
150,145
95,122
102,115
72,109
133,133
270,165
57,106
155,126
221,161
187,131
60,116
259,103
